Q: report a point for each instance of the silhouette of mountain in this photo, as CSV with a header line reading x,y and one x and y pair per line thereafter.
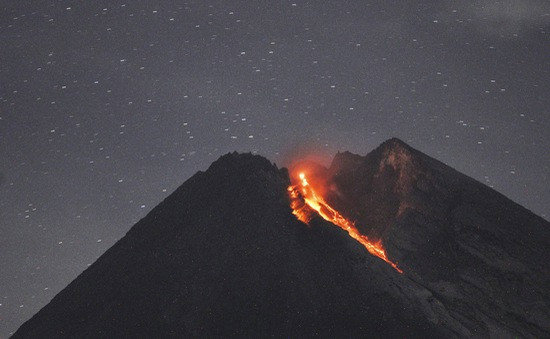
x,y
482,256
223,255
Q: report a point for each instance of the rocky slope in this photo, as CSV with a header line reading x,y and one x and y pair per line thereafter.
x,y
223,255
482,256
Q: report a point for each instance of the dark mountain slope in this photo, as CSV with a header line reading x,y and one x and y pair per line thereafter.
x,y
483,256
223,255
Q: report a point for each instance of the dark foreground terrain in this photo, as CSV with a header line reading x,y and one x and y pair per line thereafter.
x,y
223,255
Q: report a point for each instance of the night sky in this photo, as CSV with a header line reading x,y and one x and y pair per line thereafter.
x,y
106,107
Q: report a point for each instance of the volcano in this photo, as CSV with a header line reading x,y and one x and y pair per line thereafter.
x,y
229,254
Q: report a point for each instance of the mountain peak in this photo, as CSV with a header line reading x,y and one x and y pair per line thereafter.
x,y
398,155
393,152
224,256
243,161
395,143
393,160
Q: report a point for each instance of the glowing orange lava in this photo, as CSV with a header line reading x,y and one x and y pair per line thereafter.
x,y
304,200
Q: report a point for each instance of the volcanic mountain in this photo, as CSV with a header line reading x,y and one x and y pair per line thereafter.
x,y
228,254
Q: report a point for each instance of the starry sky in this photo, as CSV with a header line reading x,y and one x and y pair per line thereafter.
x,y
106,107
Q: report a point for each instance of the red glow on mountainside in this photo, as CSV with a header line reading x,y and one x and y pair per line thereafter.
x,y
305,200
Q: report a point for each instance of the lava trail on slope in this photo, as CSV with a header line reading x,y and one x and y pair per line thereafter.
x,y
305,201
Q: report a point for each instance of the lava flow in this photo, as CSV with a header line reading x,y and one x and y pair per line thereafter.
x,y
304,200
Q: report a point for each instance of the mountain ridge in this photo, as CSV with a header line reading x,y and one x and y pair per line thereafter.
x,y
223,255
464,227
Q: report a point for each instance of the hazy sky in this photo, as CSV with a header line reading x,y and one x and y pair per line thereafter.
x,y
107,106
